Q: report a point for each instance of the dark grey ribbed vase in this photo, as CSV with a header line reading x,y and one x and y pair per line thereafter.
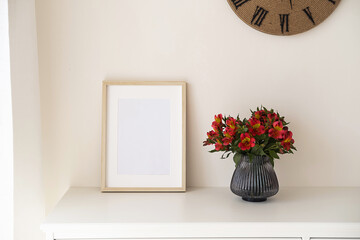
x,y
254,181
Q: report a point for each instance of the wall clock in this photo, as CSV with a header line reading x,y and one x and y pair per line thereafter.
x,y
283,17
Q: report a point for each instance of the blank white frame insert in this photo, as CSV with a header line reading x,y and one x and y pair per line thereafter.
x,y
143,137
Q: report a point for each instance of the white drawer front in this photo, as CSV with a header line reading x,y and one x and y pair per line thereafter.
x,y
186,239
335,238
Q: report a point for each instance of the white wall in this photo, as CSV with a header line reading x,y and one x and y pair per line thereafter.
x,y
6,133
28,192
311,78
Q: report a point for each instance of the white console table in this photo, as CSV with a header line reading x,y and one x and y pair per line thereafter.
x,y
216,213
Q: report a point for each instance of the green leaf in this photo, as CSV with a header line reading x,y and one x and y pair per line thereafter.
x,y
212,151
227,154
262,137
251,157
273,154
222,156
272,161
255,149
266,141
261,152
269,145
237,159
292,147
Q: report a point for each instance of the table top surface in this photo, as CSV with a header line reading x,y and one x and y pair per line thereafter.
x,y
203,205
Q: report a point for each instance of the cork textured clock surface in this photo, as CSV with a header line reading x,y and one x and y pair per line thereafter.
x,y
283,17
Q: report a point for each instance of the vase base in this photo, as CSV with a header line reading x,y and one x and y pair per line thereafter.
x,y
250,199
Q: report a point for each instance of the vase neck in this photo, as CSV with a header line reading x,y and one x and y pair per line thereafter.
x,y
255,159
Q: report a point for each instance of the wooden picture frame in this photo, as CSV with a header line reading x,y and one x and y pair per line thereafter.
x,y
143,136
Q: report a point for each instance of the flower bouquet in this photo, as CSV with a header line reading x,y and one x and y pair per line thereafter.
x,y
255,143
265,133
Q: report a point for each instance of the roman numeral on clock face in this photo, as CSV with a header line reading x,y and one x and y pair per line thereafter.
x,y
308,14
239,3
259,16
284,22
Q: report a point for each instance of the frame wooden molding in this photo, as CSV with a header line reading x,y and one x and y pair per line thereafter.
x,y
104,187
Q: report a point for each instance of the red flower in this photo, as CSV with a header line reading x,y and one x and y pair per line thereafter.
x,y
212,135
218,118
273,117
231,122
256,128
216,126
227,141
218,146
277,132
258,114
246,142
229,132
286,143
206,143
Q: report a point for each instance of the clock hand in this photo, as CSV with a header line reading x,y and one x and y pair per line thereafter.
x,y
290,3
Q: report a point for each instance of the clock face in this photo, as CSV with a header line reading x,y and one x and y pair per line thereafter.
x,y
283,17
